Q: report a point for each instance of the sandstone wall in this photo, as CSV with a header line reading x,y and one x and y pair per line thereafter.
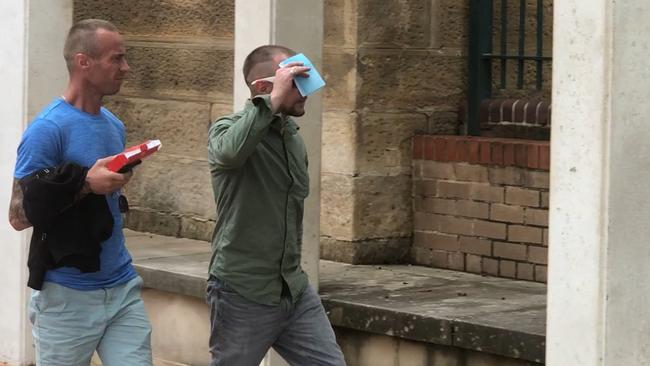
x,y
181,57
392,70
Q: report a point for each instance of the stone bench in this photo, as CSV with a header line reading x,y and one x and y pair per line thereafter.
x,y
380,313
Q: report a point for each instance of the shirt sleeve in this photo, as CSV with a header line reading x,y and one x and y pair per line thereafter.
x,y
40,147
231,142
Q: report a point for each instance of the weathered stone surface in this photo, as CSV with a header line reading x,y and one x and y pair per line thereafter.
x,y
337,218
181,126
203,74
196,228
373,251
152,221
410,80
219,110
450,24
340,143
202,18
340,74
395,23
173,184
385,142
339,23
384,207
370,207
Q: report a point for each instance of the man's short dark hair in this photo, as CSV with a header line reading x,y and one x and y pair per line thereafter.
x,y
263,54
82,38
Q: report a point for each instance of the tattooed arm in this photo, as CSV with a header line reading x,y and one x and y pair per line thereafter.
x,y
17,217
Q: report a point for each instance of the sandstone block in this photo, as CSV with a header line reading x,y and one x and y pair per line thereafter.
x,y
450,24
439,259
473,263
511,176
421,256
339,23
372,251
181,126
152,221
545,198
340,143
475,209
537,179
456,225
540,273
187,18
375,29
337,206
424,187
385,142
486,192
377,350
450,189
199,74
491,266
196,228
392,79
340,72
436,169
173,184
457,261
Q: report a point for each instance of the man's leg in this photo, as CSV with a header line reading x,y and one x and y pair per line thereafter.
x,y
67,324
127,338
308,338
241,331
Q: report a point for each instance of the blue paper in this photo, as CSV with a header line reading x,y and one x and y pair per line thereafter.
x,y
310,85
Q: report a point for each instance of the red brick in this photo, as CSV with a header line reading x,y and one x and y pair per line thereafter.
x,y
538,255
488,229
473,152
525,271
490,266
508,154
440,149
485,152
545,157
524,234
497,153
507,269
418,147
451,149
475,245
473,263
507,213
429,148
522,197
540,273
510,251
521,159
533,156
462,150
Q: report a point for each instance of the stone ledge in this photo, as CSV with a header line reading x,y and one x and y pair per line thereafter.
x,y
492,315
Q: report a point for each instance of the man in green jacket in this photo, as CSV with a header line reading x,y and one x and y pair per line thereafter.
x,y
258,294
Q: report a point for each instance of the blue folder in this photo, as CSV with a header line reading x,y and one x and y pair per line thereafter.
x,y
310,85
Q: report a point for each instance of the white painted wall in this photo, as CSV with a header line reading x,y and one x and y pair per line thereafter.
x,y
31,32
599,273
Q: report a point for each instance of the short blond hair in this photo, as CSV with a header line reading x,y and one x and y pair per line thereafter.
x,y
82,38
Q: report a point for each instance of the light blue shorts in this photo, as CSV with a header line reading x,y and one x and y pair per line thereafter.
x,y
69,325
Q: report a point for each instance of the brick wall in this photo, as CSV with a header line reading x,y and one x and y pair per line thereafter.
x,y
481,205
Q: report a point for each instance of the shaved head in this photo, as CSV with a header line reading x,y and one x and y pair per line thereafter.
x,y
82,38
260,62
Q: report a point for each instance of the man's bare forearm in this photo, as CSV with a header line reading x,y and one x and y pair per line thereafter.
x,y
17,217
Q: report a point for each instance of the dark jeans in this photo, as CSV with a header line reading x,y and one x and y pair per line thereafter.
x,y
243,331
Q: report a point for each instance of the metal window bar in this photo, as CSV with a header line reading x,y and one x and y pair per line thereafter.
x,y
481,53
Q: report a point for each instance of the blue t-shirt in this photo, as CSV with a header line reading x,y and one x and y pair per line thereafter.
x,y
62,133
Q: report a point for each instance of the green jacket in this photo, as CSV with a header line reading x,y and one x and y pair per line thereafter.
x,y
258,163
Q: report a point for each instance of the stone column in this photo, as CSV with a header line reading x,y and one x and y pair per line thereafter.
x,y
599,274
32,72
299,26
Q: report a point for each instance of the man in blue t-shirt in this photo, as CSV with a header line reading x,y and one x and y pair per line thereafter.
x,y
76,313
